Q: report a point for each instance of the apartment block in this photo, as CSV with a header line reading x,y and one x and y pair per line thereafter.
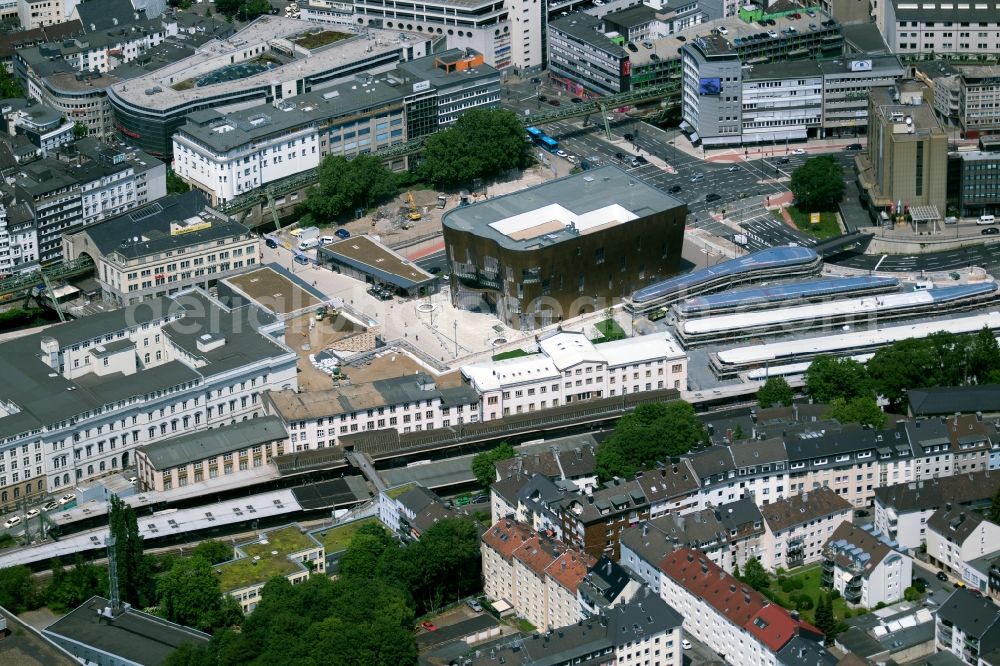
x,y
956,536
968,626
796,528
864,568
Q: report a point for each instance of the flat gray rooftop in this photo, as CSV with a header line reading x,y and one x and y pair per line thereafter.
x,y
427,68
531,216
203,444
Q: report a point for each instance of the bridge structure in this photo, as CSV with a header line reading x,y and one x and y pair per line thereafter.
x,y
268,194
17,286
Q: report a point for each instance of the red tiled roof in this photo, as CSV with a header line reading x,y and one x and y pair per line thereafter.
x,y
506,536
537,553
692,570
570,568
774,626
737,602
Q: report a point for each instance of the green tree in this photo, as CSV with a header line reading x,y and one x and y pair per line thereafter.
x,y
736,571
828,378
650,434
862,409
251,9
68,588
18,590
228,7
818,185
134,578
484,464
823,617
213,551
79,130
10,86
912,594
755,575
176,184
345,185
189,595
456,156
984,358
365,550
993,512
775,391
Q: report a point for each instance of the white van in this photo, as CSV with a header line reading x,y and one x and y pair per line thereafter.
x,y
986,219
308,244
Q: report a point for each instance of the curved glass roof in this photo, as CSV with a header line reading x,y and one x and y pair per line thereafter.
x,y
785,292
774,257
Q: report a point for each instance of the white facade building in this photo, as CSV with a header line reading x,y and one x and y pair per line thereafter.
x,y
943,28
80,396
18,238
570,368
956,536
864,569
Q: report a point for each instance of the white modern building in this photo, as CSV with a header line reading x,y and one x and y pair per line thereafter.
x,y
781,101
795,528
756,468
968,626
863,568
81,395
570,368
956,536
18,237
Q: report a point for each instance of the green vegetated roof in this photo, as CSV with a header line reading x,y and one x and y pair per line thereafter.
x,y
246,571
339,538
285,540
393,493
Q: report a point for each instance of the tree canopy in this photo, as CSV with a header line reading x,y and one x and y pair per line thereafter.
x,y
775,393
650,434
18,590
755,575
10,86
348,184
68,588
861,409
243,9
828,378
484,464
482,143
189,595
134,576
818,185
213,551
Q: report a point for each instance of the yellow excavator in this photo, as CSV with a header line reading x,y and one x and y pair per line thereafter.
x,y
414,214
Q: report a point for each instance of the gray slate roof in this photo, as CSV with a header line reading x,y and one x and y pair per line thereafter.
x,y
802,508
934,493
975,615
950,399
203,444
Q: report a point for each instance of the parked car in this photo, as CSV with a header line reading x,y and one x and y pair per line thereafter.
x,y
733,168
561,153
712,197
554,102
48,506
674,189
543,98
642,160
271,243
942,576
12,521
480,499
855,146
577,100
799,151
697,178
32,513
342,233
633,161
66,499
619,157
783,160
632,47
475,605
686,644
302,259
990,231
428,625
326,240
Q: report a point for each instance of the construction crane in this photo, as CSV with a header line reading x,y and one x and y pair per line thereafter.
x,y
414,214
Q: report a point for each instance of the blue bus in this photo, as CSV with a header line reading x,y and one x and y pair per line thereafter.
x,y
535,134
548,143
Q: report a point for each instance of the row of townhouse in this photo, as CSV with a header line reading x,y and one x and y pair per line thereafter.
x,y
81,396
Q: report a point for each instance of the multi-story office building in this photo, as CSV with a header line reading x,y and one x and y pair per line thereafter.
x,y
570,368
100,50
40,13
45,128
863,568
780,102
847,83
509,34
979,96
942,28
271,59
582,56
334,12
796,527
906,161
711,90
318,419
79,397
227,154
556,250
979,179
227,452
54,197
172,244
